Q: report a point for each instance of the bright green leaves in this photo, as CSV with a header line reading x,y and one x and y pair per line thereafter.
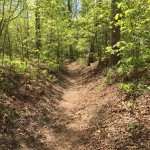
x,y
60,28
120,5
130,104
127,88
53,3
110,50
129,12
118,16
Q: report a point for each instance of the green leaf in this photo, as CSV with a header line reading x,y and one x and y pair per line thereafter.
x,y
129,104
117,17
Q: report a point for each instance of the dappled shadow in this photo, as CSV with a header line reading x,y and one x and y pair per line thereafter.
x,y
115,128
47,120
38,122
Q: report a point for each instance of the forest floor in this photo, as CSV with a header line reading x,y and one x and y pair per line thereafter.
x,y
76,112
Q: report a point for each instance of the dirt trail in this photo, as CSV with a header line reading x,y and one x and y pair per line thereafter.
x,y
75,113
74,116
87,118
55,115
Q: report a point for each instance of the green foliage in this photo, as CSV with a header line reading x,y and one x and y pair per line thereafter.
x,y
110,76
6,111
19,67
53,64
125,68
45,72
130,104
128,66
109,50
134,90
139,88
127,87
123,71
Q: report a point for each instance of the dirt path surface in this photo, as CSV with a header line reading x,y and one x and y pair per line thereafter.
x,y
76,112
53,116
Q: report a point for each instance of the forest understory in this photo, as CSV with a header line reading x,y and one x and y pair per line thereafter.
x,y
72,109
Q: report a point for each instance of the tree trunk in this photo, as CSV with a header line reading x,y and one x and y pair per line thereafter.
x,y
91,53
71,53
38,30
114,34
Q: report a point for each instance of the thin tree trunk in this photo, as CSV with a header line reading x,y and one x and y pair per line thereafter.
x,y
3,47
71,53
38,30
91,53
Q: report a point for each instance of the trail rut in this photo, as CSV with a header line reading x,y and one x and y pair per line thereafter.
x,y
74,114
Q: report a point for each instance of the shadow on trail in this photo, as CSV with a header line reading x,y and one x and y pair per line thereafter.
x,y
113,136
42,123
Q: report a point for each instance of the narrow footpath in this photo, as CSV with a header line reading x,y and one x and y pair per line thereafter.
x,y
75,112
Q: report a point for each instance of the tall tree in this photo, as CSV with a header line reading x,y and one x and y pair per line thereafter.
x,y
114,33
38,29
71,53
